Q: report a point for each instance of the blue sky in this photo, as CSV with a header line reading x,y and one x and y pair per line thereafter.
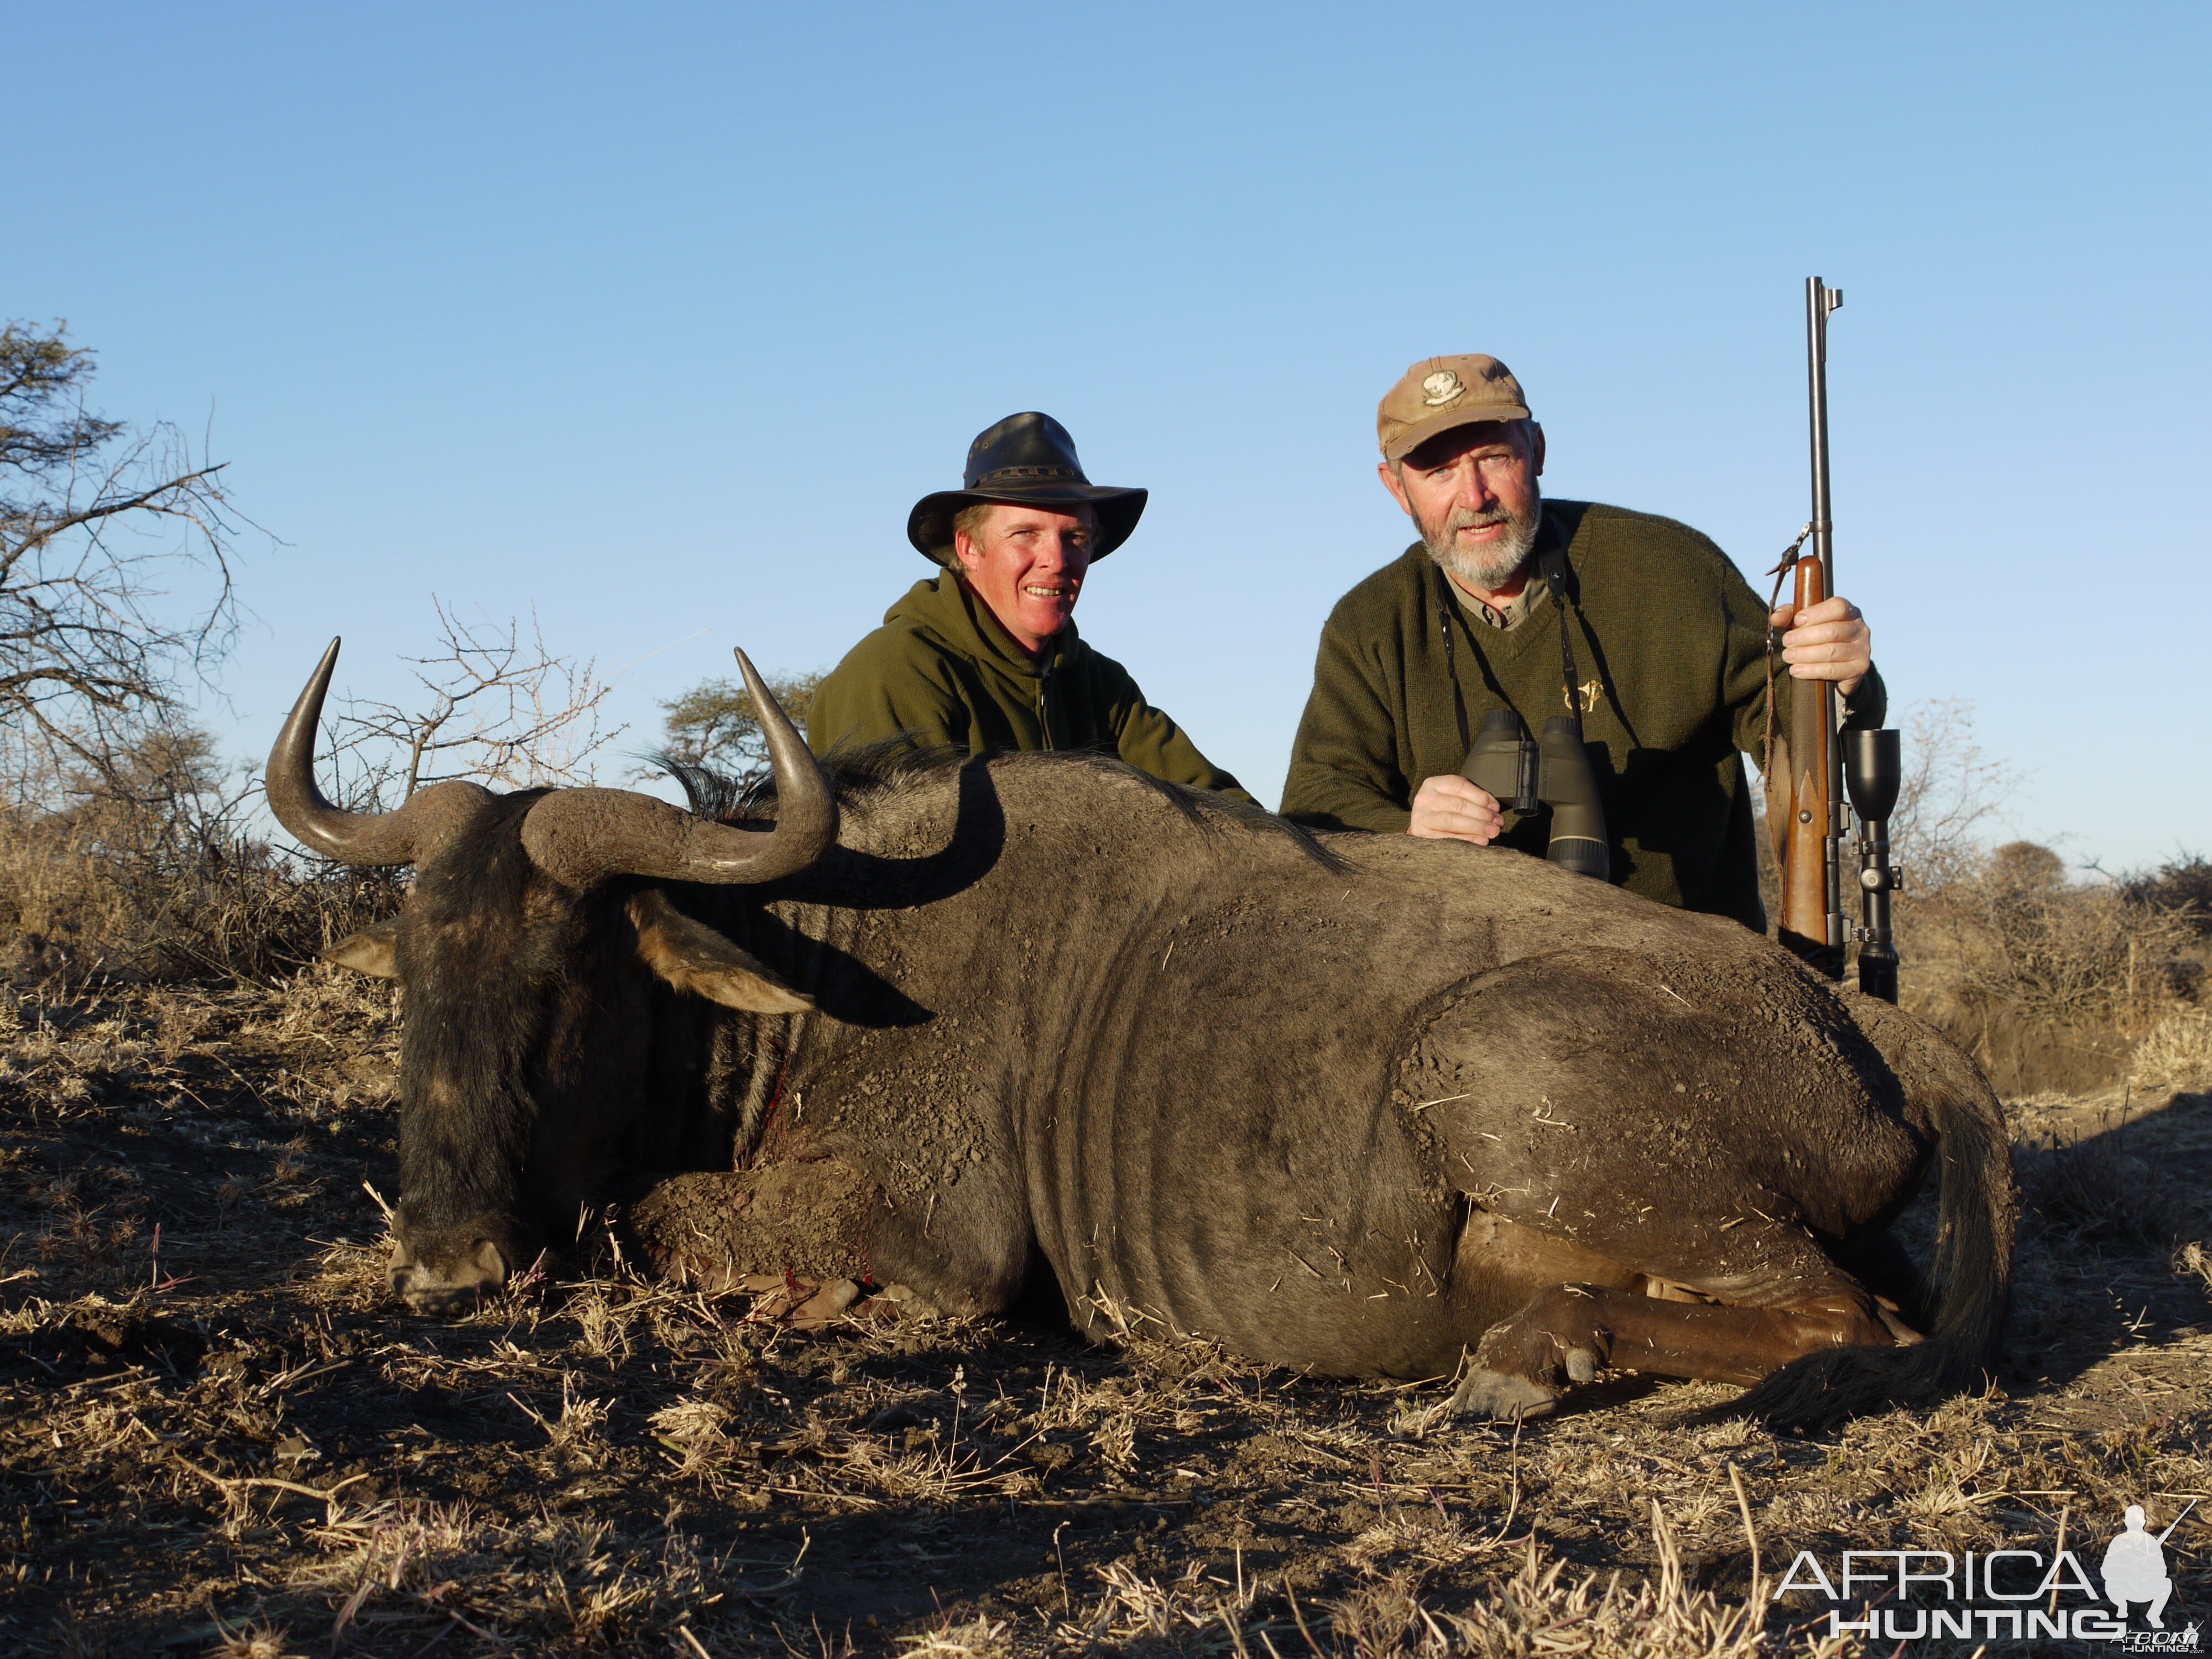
x,y
659,317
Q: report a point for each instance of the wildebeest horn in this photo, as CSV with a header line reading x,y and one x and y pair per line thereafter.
x,y
583,835
422,821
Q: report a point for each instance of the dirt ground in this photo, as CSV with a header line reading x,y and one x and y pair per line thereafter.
x,y
218,1435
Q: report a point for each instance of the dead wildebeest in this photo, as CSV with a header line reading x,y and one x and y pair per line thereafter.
x,y
1355,1105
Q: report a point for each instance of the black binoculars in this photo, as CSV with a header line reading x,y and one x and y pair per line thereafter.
x,y
1527,776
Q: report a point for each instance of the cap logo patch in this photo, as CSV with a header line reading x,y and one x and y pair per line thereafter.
x,y
1440,388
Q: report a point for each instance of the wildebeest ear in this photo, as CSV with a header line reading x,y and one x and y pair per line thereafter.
x,y
368,951
692,957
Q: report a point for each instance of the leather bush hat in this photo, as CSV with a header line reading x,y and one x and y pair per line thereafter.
x,y
1028,459
1438,393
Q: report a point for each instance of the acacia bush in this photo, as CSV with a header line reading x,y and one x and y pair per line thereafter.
x,y
148,870
2051,980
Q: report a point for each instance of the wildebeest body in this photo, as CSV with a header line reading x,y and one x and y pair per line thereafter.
x,y
1351,1106
1250,1089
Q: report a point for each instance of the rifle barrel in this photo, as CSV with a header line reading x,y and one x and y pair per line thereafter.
x,y
2175,1521
1819,300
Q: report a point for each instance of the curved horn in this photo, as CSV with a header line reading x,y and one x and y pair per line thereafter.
x,y
585,835
364,838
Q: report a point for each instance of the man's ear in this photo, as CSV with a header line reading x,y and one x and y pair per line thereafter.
x,y
693,957
369,951
1395,484
1536,448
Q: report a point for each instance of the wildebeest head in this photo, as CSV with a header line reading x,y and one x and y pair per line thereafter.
x,y
527,950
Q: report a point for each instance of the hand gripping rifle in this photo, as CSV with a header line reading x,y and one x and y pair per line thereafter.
x,y
1810,771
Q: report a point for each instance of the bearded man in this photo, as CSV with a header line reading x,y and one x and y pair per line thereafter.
x,y
1669,639
985,657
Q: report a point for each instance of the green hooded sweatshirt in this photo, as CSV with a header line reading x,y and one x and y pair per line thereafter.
x,y
941,672
1670,645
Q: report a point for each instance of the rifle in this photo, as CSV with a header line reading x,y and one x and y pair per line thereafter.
x,y
2175,1521
1809,776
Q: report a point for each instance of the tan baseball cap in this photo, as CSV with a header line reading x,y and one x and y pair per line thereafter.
x,y
1438,393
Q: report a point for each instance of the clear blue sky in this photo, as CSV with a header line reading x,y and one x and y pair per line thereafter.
x,y
659,317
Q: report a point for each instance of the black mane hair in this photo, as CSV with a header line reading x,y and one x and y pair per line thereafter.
x,y
857,772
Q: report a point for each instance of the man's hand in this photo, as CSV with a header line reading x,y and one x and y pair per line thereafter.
x,y
1830,642
1447,807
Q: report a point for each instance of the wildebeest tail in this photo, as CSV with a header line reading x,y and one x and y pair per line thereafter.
x,y
1971,1275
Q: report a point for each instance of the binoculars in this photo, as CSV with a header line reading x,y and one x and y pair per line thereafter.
x,y
1527,776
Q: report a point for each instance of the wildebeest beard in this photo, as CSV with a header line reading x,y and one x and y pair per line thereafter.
x,y
1491,568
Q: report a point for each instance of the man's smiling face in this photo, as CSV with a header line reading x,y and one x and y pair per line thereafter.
x,y
1027,563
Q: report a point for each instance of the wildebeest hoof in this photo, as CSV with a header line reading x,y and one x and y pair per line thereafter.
x,y
1554,1340
1501,1397
794,1302
904,1302
825,1307
445,1283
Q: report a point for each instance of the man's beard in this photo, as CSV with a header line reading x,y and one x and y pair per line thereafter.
x,y
1490,566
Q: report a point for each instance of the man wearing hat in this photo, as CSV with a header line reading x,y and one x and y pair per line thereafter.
x,y
1669,640
985,656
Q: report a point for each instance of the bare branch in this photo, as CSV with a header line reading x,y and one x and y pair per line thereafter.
x,y
116,565
1950,793
493,708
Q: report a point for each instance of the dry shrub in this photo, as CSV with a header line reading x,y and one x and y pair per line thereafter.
x,y
1540,1611
2179,1048
255,1641
2095,1189
148,873
2043,947
2182,883
2193,1261
975,1639
695,1430
2047,979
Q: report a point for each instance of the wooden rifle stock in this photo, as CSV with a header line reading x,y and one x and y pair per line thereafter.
x,y
1807,802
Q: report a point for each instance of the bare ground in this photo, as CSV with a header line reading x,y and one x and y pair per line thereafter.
x,y
218,1435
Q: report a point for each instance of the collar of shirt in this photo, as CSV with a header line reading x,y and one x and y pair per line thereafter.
x,y
1505,617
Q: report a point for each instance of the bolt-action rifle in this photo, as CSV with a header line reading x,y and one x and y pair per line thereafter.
x,y
1809,771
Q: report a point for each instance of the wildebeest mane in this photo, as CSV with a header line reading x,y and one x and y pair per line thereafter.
x,y
858,772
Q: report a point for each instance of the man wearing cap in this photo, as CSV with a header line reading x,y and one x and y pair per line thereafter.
x,y
985,656
1669,639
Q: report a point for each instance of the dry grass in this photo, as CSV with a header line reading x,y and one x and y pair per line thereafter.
x,y
84,895
2055,983
234,1444
2178,1050
147,872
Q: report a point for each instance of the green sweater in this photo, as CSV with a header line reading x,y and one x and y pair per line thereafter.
x,y
942,673
1670,644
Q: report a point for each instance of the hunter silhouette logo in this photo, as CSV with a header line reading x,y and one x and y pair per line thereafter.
x,y
2135,1568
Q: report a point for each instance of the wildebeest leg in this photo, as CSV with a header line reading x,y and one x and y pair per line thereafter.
x,y
1569,1332
966,1248
809,1220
